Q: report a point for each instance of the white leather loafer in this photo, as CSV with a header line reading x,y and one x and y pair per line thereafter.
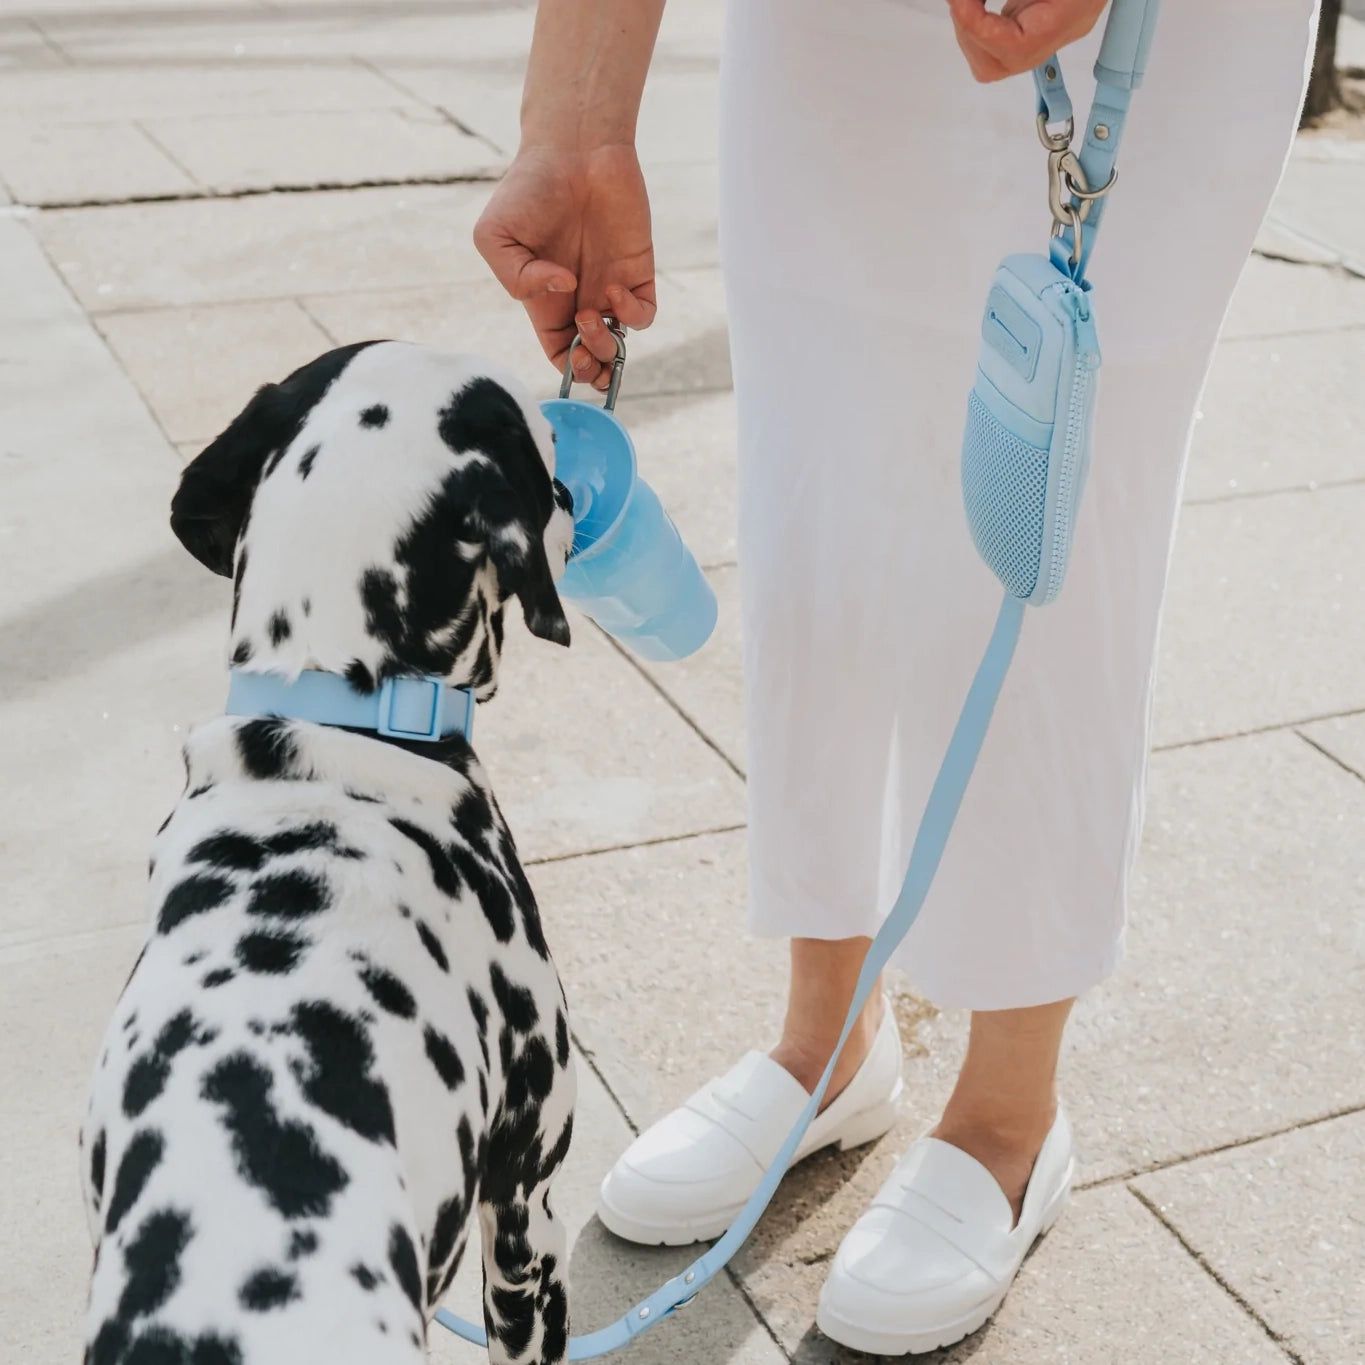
x,y
685,1179
933,1257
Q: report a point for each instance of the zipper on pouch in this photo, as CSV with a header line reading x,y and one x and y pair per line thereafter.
x,y
1087,351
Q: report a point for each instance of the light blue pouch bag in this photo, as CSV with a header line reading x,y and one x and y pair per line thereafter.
x,y
1026,449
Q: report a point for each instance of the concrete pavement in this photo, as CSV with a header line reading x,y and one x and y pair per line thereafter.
x,y
206,192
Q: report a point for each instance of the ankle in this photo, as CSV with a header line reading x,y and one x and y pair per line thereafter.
x,y
805,1052
1005,1142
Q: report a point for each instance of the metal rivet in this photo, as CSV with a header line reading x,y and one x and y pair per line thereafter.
x,y
689,1277
1050,72
1101,132
644,1312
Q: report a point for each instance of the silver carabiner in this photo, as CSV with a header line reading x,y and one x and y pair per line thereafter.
x,y
617,366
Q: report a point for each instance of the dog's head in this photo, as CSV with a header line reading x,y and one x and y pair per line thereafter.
x,y
376,509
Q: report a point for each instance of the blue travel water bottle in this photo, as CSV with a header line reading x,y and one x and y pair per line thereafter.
x,y
629,570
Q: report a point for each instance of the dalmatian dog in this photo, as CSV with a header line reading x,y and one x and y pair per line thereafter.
x,y
344,1046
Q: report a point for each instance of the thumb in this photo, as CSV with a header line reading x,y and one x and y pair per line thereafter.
x,y
517,268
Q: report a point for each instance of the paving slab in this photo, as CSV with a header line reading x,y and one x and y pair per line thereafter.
x,y
709,686
322,148
606,1275
85,163
198,367
286,245
103,92
1278,298
686,352
1343,738
55,1003
1283,1223
1323,196
1280,413
1238,1011
1260,620
584,754
1107,1286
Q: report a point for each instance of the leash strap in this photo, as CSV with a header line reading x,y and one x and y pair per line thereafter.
x,y
930,841
403,708
1076,211
1080,183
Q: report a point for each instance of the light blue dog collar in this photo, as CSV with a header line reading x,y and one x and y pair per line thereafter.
x,y
424,709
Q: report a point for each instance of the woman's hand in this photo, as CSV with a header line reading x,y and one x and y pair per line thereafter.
x,y
1024,34
567,233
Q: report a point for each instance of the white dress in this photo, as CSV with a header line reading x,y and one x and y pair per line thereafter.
x,y
868,188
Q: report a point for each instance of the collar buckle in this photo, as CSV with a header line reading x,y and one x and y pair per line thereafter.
x,y
410,708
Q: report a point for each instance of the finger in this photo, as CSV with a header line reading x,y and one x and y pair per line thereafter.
x,y
984,67
516,267
633,308
1015,41
598,338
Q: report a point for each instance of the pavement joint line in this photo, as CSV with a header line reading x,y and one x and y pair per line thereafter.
x,y
1174,1163
1220,499
552,858
1341,262
1270,729
166,152
1206,1266
213,196
1293,333
59,52
1328,754
302,306
677,706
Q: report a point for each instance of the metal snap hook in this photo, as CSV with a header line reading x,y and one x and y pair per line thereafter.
x,y
617,366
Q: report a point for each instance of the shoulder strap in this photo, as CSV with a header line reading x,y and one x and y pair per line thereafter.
x,y
1119,70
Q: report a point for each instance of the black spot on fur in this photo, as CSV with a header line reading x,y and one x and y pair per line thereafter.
x,y
403,1259
141,1158
280,1157
388,991
443,871
268,1288
267,748
360,677
97,1152
305,469
195,958
294,894
363,796
273,462
278,628
478,1007
270,951
376,416
433,946
109,1345
220,976
194,896
517,1004
340,1079
561,1039
491,891
229,851
241,654
320,834
366,1278
444,1058
152,1261
159,1345
303,1242
473,818
147,1076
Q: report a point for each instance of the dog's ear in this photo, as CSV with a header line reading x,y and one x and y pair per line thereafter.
x,y
214,497
510,502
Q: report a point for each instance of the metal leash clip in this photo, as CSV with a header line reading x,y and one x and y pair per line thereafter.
x,y
1069,195
618,365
